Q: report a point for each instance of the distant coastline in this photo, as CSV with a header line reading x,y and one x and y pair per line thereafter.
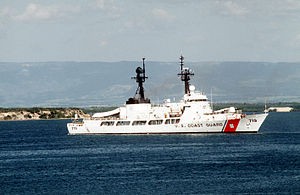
x,y
14,114
44,113
258,107
246,107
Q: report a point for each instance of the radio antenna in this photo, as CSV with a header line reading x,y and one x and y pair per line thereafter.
x,y
185,74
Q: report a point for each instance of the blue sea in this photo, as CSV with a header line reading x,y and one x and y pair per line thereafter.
x,y
38,157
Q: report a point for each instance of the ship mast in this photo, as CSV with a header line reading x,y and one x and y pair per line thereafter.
x,y
140,79
185,74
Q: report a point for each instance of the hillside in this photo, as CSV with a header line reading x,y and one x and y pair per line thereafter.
x,y
85,84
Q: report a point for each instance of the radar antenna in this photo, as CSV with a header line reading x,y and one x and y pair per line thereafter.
x,y
140,79
185,74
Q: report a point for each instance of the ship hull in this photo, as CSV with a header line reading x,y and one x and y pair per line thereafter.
x,y
246,124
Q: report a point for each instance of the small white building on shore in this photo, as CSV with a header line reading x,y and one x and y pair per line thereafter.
x,y
280,109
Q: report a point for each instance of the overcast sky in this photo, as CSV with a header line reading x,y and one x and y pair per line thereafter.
x,y
160,30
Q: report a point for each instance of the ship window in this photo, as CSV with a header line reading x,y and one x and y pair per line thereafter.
x,y
107,123
197,100
122,123
168,121
155,122
139,123
172,121
175,121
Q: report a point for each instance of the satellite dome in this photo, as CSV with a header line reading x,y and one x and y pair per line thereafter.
x,y
192,88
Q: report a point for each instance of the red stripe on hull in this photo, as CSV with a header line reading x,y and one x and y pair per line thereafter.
x,y
231,125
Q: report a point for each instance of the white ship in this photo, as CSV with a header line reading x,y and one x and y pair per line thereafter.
x,y
193,114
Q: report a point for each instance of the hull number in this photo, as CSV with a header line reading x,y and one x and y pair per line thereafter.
x,y
253,120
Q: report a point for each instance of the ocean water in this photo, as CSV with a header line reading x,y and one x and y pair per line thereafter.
x,y
38,157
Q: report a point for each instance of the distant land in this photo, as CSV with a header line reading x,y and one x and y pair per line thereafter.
x,y
246,107
37,113
87,84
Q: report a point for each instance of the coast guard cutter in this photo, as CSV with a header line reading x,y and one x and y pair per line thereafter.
x,y
192,114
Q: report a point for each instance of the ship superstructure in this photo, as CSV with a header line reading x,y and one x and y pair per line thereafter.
x,y
192,114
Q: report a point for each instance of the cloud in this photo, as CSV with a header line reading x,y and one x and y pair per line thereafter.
x,y
291,5
260,8
35,11
108,6
102,4
103,43
42,12
232,8
6,12
162,14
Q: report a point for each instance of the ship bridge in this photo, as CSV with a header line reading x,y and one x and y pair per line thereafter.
x,y
194,96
